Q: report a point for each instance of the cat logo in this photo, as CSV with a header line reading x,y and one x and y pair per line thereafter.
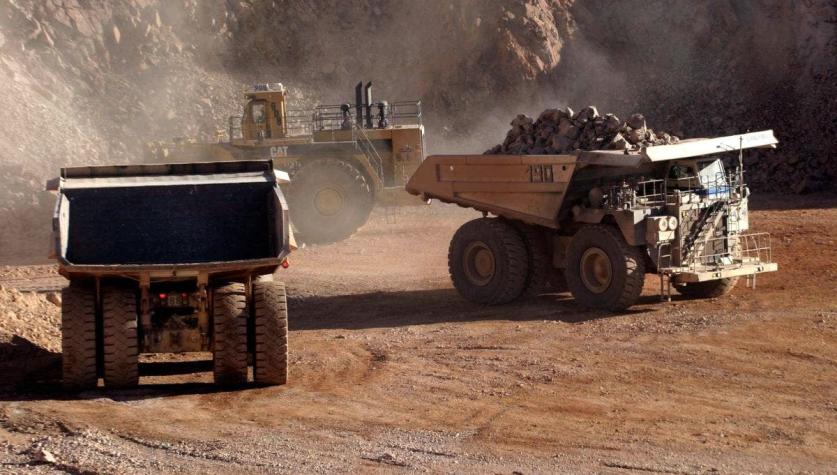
x,y
279,151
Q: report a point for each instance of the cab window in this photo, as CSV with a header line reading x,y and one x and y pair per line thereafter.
x,y
678,171
257,112
276,114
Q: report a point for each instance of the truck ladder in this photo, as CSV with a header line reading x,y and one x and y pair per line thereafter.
x,y
706,224
365,145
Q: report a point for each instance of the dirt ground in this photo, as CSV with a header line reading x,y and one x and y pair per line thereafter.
x,y
393,371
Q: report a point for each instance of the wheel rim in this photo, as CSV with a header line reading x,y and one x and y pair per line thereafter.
x,y
479,263
328,201
596,270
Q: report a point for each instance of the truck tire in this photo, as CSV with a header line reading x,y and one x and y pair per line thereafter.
x,y
119,323
487,261
538,260
229,356
78,336
329,200
603,271
708,289
270,364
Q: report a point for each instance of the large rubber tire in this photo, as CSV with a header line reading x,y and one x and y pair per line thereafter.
x,y
119,322
270,365
78,336
487,261
229,356
602,248
708,289
329,200
538,260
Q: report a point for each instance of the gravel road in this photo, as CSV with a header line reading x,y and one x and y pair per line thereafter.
x,y
392,371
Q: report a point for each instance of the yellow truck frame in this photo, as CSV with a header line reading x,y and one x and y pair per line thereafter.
x,y
599,220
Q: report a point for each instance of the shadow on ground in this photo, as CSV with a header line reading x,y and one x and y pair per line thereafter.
x,y
30,372
426,307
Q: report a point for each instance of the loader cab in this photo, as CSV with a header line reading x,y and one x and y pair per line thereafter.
x,y
264,115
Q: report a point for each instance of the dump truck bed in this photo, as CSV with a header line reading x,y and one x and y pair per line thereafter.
x,y
534,188
174,219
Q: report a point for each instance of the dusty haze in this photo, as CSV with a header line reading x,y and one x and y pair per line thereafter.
x,y
91,82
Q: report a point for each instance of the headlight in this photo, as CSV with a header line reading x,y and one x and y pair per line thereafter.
x,y
672,222
662,224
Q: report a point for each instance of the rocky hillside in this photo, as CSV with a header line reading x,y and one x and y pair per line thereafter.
x,y
91,81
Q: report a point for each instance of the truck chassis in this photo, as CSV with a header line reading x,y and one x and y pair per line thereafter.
x,y
170,259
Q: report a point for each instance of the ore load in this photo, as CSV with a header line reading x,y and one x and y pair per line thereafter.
x,y
559,131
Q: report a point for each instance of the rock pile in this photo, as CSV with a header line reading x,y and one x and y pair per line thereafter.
x,y
29,316
562,130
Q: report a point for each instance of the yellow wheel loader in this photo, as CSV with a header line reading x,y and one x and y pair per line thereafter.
x,y
342,159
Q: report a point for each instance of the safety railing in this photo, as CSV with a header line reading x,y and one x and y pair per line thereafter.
x,y
405,113
332,117
664,255
298,122
301,122
756,247
638,194
722,185
725,252
731,251
338,117
651,193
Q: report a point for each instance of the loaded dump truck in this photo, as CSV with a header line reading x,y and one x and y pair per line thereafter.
x,y
172,258
600,220
342,158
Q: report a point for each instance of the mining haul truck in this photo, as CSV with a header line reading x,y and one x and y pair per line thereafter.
x,y
342,159
172,258
599,220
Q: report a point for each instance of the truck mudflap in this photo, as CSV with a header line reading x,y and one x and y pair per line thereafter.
x,y
691,275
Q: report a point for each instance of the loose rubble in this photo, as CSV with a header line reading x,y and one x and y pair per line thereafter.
x,y
562,131
30,316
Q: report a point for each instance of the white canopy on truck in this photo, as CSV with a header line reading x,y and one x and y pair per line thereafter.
x,y
685,149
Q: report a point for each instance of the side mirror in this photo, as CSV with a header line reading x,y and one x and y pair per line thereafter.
x,y
52,184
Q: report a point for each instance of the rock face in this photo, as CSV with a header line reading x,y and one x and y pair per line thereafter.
x,y
91,82
561,131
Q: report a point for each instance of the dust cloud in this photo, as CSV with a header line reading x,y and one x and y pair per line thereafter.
x,y
91,83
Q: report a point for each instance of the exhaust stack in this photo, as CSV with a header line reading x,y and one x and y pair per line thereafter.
x,y
359,104
369,105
